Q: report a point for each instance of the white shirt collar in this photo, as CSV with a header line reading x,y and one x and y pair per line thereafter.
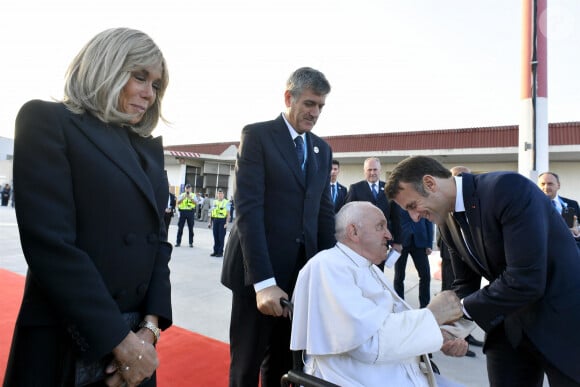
x,y
293,132
459,205
560,204
356,258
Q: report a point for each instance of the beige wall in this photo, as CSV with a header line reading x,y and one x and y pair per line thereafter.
x,y
569,173
5,172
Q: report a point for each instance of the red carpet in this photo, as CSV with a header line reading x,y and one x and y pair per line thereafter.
x,y
186,358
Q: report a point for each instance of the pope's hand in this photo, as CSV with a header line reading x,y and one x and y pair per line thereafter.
x,y
446,307
268,301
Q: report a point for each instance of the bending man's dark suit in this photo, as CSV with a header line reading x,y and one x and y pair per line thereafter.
x,y
527,253
283,219
92,199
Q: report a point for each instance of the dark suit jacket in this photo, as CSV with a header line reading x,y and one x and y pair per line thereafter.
x,y
278,210
529,256
362,192
570,204
341,193
90,222
172,202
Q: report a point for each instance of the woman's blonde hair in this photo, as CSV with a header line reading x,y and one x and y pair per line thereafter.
x,y
97,75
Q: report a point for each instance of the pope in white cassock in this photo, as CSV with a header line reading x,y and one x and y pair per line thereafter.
x,y
353,327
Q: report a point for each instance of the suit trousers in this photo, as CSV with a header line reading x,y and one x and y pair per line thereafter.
x,y
523,366
259,344
219,235
167,218
189,217
422,265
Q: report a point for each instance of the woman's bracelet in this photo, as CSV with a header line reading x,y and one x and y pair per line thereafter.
x,y
153,328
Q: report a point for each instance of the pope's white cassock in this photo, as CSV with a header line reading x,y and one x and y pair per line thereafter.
x,y
356,331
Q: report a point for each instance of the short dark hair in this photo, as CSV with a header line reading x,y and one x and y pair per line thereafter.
x,y
335,162
551,173
411,170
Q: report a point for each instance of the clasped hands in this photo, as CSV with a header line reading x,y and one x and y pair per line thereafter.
x,y
135,360
446,308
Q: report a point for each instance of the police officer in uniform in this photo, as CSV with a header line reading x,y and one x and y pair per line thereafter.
x,y
220,216
186,205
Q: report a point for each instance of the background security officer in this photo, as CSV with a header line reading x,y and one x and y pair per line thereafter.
x,y
220,216
186,205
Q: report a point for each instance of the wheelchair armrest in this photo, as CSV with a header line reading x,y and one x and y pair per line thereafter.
x,y
300,378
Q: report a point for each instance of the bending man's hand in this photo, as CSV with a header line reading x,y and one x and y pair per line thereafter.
x,y
135,360
446,307
268,301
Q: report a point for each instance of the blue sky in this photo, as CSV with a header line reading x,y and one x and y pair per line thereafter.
x,y
393,65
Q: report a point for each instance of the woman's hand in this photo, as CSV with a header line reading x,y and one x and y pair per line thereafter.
x,y
135,361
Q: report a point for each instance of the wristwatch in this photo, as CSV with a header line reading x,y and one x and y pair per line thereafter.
x,y
153,328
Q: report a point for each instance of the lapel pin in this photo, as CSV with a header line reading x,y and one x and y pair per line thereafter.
x,y
316,150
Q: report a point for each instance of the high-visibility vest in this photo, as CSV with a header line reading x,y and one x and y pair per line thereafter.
x,y
220,209
187,203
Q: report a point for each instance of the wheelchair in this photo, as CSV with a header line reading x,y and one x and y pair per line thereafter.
x,y
296,376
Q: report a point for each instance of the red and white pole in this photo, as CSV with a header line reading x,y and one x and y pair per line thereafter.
x,y
533,154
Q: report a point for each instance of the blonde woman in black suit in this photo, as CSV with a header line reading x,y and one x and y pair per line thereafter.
x,y
97,289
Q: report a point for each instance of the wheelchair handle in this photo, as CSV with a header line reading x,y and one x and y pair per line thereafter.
x,y
286,304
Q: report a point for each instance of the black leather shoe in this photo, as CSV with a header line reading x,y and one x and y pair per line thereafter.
x,y
177,245
473,341
191,245
218,255
470,353
212,254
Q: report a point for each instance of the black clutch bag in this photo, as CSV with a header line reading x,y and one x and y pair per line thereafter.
x,y
89,372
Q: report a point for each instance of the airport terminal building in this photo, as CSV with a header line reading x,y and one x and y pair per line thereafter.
x,y
208,167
